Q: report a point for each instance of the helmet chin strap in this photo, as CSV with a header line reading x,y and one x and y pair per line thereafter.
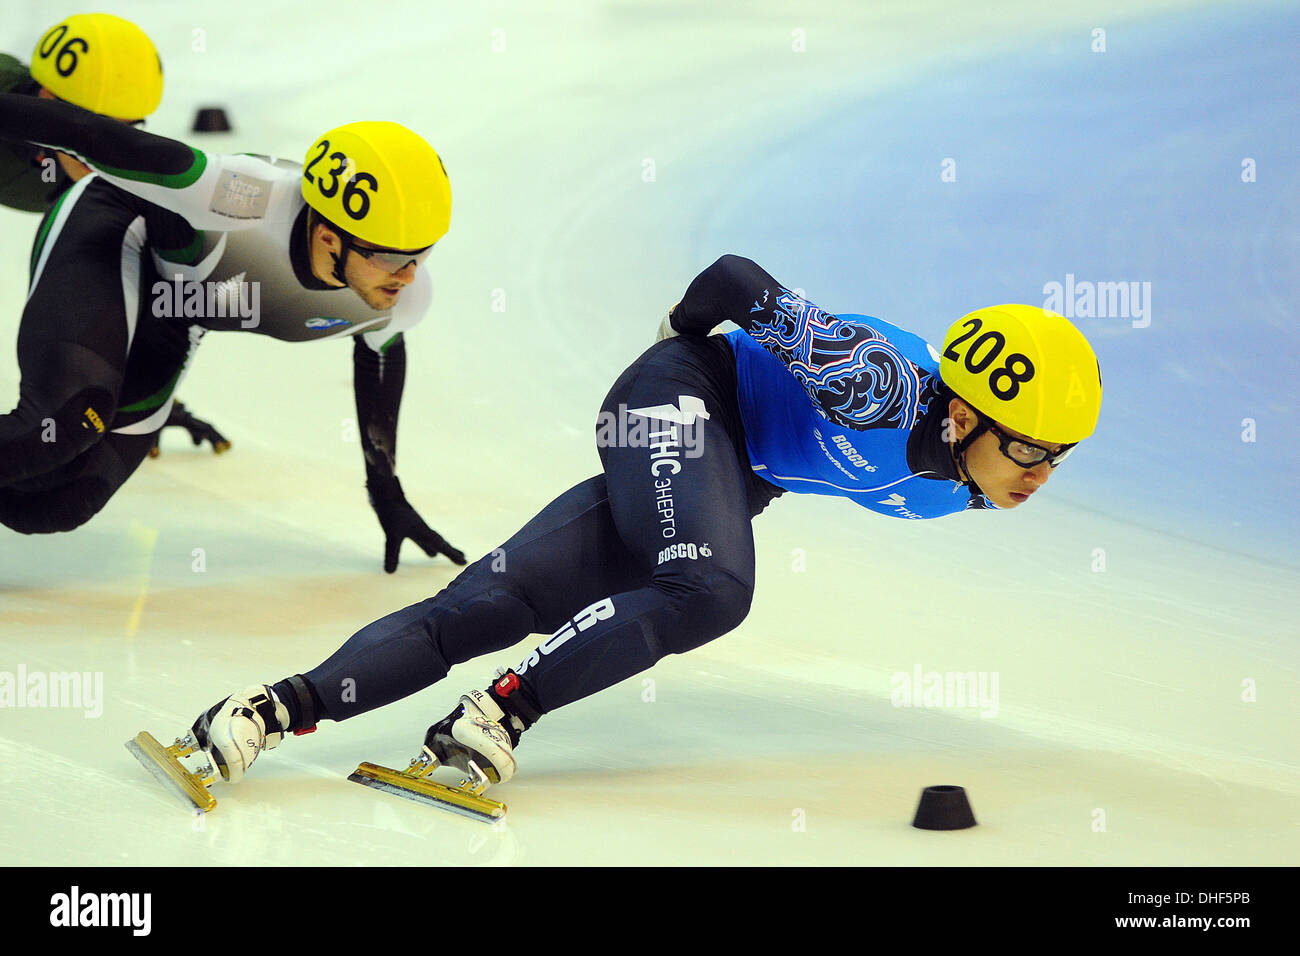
x,y
339,260
959,455
345,243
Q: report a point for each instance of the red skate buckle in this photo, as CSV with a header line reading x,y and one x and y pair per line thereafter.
x,y
508,684
305,730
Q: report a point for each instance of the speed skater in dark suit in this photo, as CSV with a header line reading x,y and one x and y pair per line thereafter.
x,y
655,556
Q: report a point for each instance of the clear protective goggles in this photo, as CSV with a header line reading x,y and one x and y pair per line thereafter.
x,y
1025,453
390,260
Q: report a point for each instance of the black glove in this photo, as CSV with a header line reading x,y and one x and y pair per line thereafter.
x,y
200,431
400,521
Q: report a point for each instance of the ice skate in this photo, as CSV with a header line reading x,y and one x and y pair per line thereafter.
x,y
165,764
232,733
474,740
477,738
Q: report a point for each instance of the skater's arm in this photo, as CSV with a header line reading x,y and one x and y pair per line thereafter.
x,y
98,140
378,376
210,191
25,182
739,290
843,365
727,291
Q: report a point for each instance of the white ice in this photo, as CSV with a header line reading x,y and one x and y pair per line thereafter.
x,y
1139,615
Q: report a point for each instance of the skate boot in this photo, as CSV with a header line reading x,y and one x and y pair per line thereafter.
x,y
474,739
236,730
477,738
232,733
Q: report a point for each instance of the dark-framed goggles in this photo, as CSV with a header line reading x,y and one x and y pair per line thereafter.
x,y
390,260
1025,453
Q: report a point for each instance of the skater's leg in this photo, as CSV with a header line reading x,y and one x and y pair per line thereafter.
x,y
660,565
71,495
67,496
682,507
568,555
681,497
74,333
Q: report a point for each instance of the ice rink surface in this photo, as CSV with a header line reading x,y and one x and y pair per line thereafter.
x,y
912,161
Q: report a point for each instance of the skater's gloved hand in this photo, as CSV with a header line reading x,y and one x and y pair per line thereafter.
x,y
400,521
200,431
666,330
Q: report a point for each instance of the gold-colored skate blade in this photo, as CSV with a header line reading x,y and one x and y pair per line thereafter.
x,y
463,799
164,763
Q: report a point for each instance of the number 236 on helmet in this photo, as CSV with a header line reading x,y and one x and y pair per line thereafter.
x,y
1027,368
380,182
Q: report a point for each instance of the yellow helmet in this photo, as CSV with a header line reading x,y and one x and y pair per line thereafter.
x,y
101,63
379,182
1026,368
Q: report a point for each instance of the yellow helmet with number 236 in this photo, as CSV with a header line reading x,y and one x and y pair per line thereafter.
x,y
1026,368
381,183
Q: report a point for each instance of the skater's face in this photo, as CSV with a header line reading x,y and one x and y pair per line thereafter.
x,y
377,287
1005,483
367,277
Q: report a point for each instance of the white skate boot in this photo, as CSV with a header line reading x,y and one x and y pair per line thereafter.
x,y
473,738
232,733
477,738
239,728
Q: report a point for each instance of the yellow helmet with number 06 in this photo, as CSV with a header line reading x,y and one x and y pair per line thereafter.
x,y
380,182
1026,368
101,63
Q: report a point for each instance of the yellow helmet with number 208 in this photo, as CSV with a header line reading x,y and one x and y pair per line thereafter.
x,y
1026,368
101,63
380,182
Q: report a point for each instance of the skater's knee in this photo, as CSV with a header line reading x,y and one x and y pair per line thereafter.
x,y
710,603
59,510
83,501
455,625
476,621
36,441
732,599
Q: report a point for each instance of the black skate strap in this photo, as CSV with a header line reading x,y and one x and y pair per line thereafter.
x,y
306,704
515,699
264,704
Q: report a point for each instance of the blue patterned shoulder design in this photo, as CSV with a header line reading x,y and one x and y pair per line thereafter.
x,y
850,370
